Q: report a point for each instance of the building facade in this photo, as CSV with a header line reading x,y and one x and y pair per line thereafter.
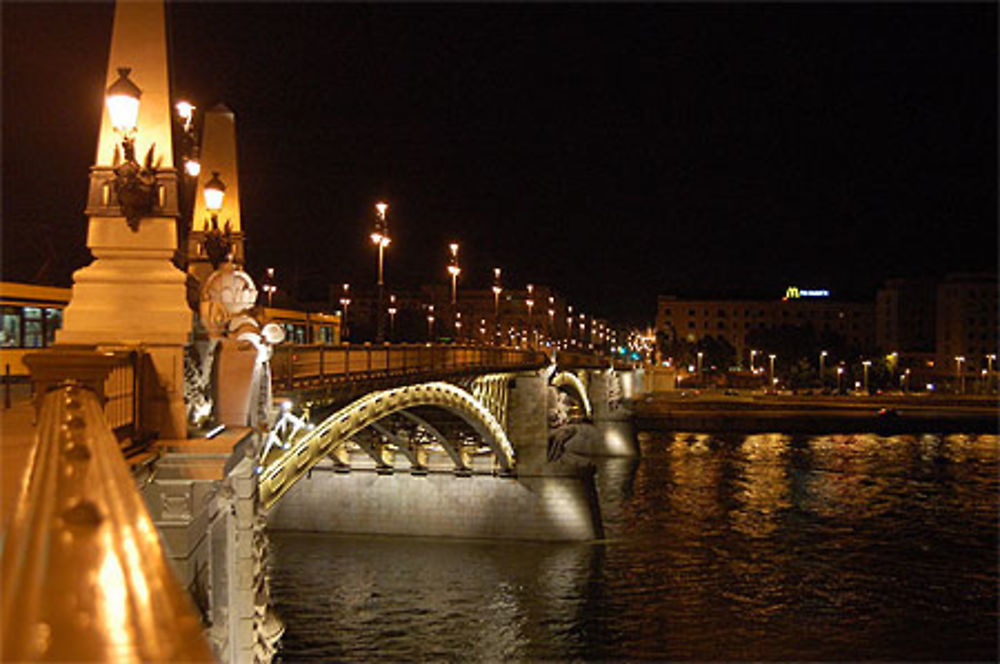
x,y
733,321
905,316
966,323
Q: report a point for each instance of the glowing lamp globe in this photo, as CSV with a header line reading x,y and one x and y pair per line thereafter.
x,y
122,99
214,191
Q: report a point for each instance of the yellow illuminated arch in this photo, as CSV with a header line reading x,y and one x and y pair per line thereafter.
x,y
282,473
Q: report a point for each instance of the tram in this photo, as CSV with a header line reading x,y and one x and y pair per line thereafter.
x,y
32,314
306,327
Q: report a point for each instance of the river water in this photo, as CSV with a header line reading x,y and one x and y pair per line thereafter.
x,y
758,547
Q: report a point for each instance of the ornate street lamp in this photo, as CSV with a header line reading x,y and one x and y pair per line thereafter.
x,y
380,237
185,111
217,243
135,186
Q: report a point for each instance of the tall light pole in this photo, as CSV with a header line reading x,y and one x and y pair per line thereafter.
x,y
959,374
530,302
990,359
753,354
454,270
866,364
822,361
269,286
345,302
380,237
840,374
392,317
430,323
771,357
497,289
701,356
569,322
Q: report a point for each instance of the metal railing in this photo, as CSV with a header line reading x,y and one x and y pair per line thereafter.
x,y
84,573
294,366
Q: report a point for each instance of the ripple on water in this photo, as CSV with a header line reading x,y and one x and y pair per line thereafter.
x,y
763,547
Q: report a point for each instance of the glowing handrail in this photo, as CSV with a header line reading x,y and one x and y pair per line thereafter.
x,y
84,574
302,362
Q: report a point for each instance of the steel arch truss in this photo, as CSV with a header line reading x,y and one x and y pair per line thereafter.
x,y
309,449
572,383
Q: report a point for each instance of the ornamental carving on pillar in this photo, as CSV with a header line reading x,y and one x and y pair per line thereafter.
x,y
135,186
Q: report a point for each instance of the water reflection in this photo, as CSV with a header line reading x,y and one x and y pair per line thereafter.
x,y
413,599
763,547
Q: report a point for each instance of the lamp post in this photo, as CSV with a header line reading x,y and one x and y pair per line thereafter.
x,y
268,287
959,374
497,289
530,303
771,357
454,270
345,302
380,237
392,317
990,359
840,373
866,364
569,322
701,356
430,323
822,361
753,354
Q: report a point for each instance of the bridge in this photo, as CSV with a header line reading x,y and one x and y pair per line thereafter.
x,y
169,441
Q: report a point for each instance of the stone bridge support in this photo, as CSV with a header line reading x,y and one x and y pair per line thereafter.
x,y
541,500
608,392
204,503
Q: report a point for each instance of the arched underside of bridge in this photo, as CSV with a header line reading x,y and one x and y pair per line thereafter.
x,y
571,383
374,411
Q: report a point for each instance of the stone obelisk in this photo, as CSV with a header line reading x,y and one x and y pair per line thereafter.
x,y
218,155
132,294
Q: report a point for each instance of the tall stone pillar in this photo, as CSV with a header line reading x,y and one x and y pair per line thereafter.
x,y
611,418
527,422
132,294
218,155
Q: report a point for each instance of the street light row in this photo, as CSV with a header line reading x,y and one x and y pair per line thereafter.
x,y
122,100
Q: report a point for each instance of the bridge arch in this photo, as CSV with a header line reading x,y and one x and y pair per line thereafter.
x,y
571,382
309,449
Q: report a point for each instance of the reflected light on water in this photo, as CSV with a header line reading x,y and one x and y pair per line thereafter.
x,y
723,548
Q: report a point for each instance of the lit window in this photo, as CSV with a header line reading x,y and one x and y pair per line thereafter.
x,y
11,335
34,329
53,322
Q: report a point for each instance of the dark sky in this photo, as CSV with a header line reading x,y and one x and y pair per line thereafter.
x,y
614,151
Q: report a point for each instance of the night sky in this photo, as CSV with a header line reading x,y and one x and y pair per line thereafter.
x,y
616,152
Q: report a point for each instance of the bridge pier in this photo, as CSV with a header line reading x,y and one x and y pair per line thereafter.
x,y
203,501
612,418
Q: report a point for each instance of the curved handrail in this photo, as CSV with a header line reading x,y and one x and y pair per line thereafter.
x,y
84,574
